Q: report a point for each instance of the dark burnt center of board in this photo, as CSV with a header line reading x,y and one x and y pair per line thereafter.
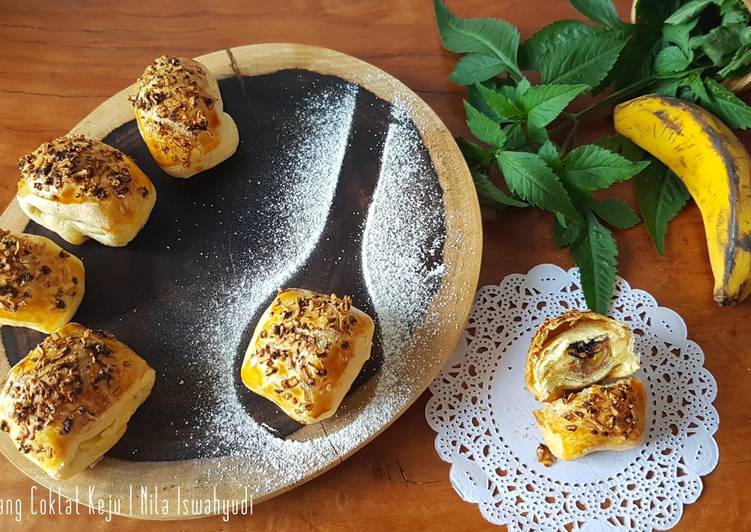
x,y
153,294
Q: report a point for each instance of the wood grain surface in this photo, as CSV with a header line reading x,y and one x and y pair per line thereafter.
x,y
61,59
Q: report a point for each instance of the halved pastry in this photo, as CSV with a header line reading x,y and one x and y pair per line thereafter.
x,y
81,187
69,400
599,418
41,285
181,116
577,349
306,351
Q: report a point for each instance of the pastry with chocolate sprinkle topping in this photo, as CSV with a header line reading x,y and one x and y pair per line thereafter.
x,y
81,187
69,400
180,114
306,352
77,166
600,417
41,286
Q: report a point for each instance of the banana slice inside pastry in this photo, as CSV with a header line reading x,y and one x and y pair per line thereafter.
x,y
575,350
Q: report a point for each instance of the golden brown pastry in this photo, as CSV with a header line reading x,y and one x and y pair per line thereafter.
x,y
41,285
81,187
306,351
577,349
69,400
599,418
544,456
181,117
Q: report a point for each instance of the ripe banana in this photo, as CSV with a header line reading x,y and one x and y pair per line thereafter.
x,y
716,169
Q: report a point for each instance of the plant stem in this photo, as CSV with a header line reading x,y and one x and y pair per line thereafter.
x,y
573,119
569,120
569,141
613,97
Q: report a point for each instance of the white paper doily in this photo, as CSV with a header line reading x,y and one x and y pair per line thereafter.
x,y
482,413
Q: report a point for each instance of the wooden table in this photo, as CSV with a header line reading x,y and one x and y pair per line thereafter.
x,y
61,59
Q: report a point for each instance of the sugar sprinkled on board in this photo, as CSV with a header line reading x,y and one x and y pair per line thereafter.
x,y
403,266
403,270
307,175
398,249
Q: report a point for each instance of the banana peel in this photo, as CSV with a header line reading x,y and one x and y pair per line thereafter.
x,y
716,169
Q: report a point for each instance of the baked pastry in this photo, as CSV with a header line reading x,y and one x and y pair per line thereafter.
x,y
599,418
41,285
306,351
81,187
577,349
544,456
181,116
69,400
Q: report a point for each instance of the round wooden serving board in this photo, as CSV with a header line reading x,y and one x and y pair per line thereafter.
x,y
187,292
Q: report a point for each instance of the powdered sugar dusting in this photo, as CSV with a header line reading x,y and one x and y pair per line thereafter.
x,y
307,174
402,256
403,270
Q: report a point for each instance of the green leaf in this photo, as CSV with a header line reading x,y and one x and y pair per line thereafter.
x,y
636,60
721,43
528,177
538,135
479,35
667,87
511,93
661,196
671,59
678,34
733,17
595,254
543,103
501,105
522,87
478,102
587,60
515,136
741,59
487,189
537,48
727,106
582,199
688,11
565,232
551,155
484,128
602,11
617,213
696,85
734,12
591,167
474,68
475,155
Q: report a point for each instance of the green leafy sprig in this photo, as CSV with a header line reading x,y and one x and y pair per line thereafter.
x,y
526,131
